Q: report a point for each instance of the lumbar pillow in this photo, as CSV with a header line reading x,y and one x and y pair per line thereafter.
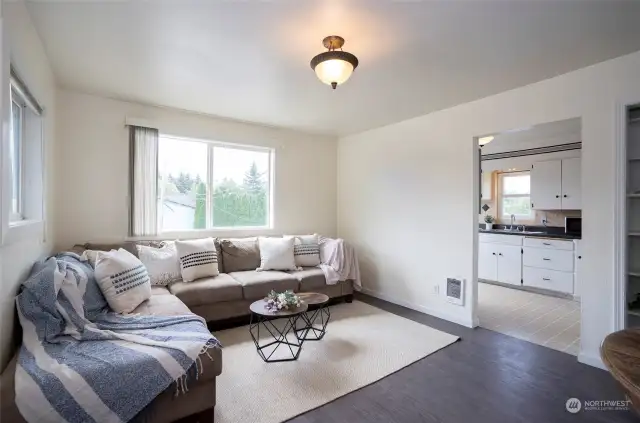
x,y
198,258
276,254
162,264
123,280
306,250
240,254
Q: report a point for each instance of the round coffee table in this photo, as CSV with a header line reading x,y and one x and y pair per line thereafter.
x,y
315,321
263,318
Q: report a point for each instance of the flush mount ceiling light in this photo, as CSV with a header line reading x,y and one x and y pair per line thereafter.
x,y
334,67
485,140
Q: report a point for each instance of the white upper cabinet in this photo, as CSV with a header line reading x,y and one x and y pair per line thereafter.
x,y
572,184
546,185
556,185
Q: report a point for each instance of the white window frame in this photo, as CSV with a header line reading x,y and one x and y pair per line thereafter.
x,y
17,99
209,183
29,223
501,196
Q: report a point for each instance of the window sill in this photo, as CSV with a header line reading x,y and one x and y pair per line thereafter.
x,y
23,230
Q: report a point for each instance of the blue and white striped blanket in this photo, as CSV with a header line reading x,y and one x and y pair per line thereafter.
x,y
80,362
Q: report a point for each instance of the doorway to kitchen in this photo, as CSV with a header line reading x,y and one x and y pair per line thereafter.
x,y
530,233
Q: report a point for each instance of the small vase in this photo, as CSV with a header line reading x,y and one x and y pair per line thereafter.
x,y
488,226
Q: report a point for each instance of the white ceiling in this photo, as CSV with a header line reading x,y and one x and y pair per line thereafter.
x,y
249,60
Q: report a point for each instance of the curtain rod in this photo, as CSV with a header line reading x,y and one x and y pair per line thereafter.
x,y
22,88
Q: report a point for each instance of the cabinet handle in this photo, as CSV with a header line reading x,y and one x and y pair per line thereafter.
x,y
580,257
546,279
493,254
557,196
565,196
499,254
545,243
546,259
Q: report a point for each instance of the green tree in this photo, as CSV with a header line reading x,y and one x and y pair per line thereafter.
x,y
183,182
200,217
253,180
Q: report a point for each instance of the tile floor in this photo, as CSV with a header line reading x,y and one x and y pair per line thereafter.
x,y
548,321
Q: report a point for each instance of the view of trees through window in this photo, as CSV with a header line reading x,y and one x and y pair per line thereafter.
x,y
516,200
239,182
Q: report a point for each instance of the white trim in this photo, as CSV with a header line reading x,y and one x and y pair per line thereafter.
x,y
620,221
592,360
423,309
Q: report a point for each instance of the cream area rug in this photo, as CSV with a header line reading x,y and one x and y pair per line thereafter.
x,y
363,344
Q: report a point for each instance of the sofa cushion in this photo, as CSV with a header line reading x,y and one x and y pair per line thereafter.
x,y
310,278
240,254
159,290
162,305
256,285
216,241
207,290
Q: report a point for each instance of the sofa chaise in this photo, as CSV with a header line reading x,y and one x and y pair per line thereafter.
x,y
220,300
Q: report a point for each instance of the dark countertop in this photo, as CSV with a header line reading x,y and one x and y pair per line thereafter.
x,y
532,232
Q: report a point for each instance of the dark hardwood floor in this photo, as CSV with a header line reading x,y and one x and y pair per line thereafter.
x,y
485,377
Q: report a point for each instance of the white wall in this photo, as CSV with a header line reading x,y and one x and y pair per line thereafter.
x,y
92,160
27,55
406,192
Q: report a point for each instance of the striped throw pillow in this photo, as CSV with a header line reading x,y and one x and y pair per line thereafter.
x,y
198,258
123,280
306,250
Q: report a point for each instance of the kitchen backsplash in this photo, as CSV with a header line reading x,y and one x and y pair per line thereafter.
x,y
554,217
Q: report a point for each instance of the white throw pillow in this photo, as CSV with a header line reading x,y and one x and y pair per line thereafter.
x,y
91,256
123,280
162,264
306,250
276,254
198,258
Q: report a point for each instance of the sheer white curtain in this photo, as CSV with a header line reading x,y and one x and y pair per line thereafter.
x,y
144,181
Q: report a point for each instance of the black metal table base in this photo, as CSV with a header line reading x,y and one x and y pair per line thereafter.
x,y
314,324
280,337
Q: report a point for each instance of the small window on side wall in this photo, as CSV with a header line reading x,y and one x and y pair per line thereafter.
x,y
515,196
16,136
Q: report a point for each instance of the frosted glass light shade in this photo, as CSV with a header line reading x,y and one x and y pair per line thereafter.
x,y
334,71
334,67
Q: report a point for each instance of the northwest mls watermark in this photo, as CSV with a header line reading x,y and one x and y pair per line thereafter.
x,y
574,405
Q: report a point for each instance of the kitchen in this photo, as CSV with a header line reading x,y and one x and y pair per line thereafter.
x,y
530,229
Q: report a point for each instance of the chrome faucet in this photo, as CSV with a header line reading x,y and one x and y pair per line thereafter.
x,y
513,220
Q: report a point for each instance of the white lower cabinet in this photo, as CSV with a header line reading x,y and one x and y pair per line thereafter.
x,y
548,264
547,279
535,262
500,258
509,264
487,262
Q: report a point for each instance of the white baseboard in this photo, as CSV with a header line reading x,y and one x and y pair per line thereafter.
x,y
423,309
592,360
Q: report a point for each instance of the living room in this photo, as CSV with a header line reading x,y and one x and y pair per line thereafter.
x,y
386,162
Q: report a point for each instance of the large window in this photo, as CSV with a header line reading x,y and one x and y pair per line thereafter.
x,y
16,136
204,185
515,189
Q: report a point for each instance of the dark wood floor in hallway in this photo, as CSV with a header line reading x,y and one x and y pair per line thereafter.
x,y
486,377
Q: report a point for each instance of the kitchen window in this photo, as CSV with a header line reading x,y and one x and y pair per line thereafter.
x,y
181,184
515,195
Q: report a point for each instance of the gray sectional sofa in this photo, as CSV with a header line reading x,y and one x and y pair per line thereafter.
x,y
220,300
